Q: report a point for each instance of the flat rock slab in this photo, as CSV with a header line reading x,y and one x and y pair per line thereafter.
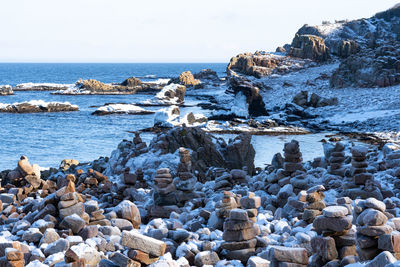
x,y
287,254
134,240
335,211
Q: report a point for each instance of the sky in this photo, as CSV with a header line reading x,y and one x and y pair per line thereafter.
x,y
160,30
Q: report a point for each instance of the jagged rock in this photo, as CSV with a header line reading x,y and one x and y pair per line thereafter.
x,y
262,64
128,210
309,46
93,85
369,68
256,105
186,78
131,82
206,74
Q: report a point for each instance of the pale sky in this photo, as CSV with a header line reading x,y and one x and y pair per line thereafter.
x,y
160,30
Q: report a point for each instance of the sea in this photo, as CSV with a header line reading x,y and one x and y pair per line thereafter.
x,y
48,138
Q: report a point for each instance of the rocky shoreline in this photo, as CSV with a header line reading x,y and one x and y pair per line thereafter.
x,y
190,199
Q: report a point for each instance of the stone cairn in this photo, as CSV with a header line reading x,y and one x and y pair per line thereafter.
x,y
165,200
227,181
223,207
92,182
314,203
287,256
135,179
26,173
71,207
334,241
185,181
373,234
239,235
251,203
336,160
293,158
359,165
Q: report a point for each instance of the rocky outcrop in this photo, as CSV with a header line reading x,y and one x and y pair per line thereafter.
x,y
378,67
93,85
347,48
25,174
256,105
35,106
6,90
206,74
40,87
309,47
315,100
262,64
131,82
186,78
173,94
236,154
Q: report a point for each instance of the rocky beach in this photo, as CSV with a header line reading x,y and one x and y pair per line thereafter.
x,y
198,179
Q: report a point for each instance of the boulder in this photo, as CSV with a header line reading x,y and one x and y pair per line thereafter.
x,y
128,210
309,47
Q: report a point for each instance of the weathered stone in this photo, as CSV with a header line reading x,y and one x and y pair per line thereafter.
x,y
239,245
333,224
324,247
73,222
240,235
374,230
335,211
238,215
77,209
389,242
60,245
146,244
287,254
256,261
88,232
382,260
206,258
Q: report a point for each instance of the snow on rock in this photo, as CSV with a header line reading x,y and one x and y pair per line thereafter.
x,y
34,106
41,86
121,109
240,106
166,117
173,94
6,90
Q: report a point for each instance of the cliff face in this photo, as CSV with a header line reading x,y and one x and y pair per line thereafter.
x,y
367,50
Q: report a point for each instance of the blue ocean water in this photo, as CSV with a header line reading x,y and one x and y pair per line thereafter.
x,y
49,138
15,73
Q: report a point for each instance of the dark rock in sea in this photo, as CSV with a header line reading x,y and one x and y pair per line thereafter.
x,y
6,90
131,82
37,106
206,74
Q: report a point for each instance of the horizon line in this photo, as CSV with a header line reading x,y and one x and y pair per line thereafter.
x,y
108,62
